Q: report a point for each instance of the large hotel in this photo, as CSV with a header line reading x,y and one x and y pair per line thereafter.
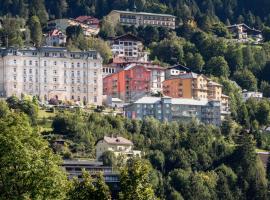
x,y
49,72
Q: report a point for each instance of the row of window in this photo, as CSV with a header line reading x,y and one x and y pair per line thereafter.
x,y
55,63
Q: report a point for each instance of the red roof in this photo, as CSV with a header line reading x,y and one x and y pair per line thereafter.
x,y
55,32
84,19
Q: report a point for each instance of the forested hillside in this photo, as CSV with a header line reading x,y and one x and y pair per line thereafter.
x,y
253,12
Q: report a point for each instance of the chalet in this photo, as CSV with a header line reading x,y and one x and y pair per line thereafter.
x,y
89,20
244,33
117,145
128,48
55,38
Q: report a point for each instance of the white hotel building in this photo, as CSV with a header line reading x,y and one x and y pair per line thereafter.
x,y
50,72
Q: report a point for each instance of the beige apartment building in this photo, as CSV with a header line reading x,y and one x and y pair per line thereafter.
x,y
130,18
50,72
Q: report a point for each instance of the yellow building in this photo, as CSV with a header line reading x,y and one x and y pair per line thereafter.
x,y
117,145
195,86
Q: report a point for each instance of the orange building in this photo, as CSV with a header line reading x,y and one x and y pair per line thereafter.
x,y
129,84
192,85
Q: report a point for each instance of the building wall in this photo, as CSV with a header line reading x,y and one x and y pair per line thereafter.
x,y
53,74
142,19
165,110
128,85
178,88
118,149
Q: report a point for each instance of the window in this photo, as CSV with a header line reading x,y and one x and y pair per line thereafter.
x,y
24,62
72,89
55,63
45,63
15,86
78,64
55,71
14,77
78,80
95,73
30,71
36,63
30,62
45,80
78,73
95,99
45,72
79,89
24,71
95,81
72,65
14,69
14,61
65,64
55,80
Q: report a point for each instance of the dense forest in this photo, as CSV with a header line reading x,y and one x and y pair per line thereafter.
x,y
253,12
182,161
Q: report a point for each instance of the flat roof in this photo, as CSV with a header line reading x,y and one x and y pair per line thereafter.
x,y
142,13
174,101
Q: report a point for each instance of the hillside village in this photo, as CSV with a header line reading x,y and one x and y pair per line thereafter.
x,y
134,102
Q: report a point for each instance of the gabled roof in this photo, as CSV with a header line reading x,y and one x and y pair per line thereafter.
x,y
55,32
180,67
127,36
82,19
244,25
117,140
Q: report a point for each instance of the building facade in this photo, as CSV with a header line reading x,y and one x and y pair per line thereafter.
x,y
50,72
130,18
244,33
128,48
134,82
196,86
129,84
89,20
175,109
117,145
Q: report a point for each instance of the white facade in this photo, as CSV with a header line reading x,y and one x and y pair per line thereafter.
x,y
129,48
157,78
247,95
52,73
118,145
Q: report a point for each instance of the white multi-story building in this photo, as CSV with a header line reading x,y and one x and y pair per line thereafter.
x,y
50,72
130,18
129,48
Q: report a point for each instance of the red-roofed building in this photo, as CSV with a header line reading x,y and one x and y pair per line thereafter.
x,y
89,20
56,38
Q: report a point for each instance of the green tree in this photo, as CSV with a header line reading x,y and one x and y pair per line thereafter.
x,y
108,158
35,31
246,80
81,190
134,181
218,66
102,189
29,169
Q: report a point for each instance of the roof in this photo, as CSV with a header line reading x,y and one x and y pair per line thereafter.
x,y
55,32
188,75
246,26
180,67
174,101
214,83
82,19
116,100
142,13
117,140
82,162
126,36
